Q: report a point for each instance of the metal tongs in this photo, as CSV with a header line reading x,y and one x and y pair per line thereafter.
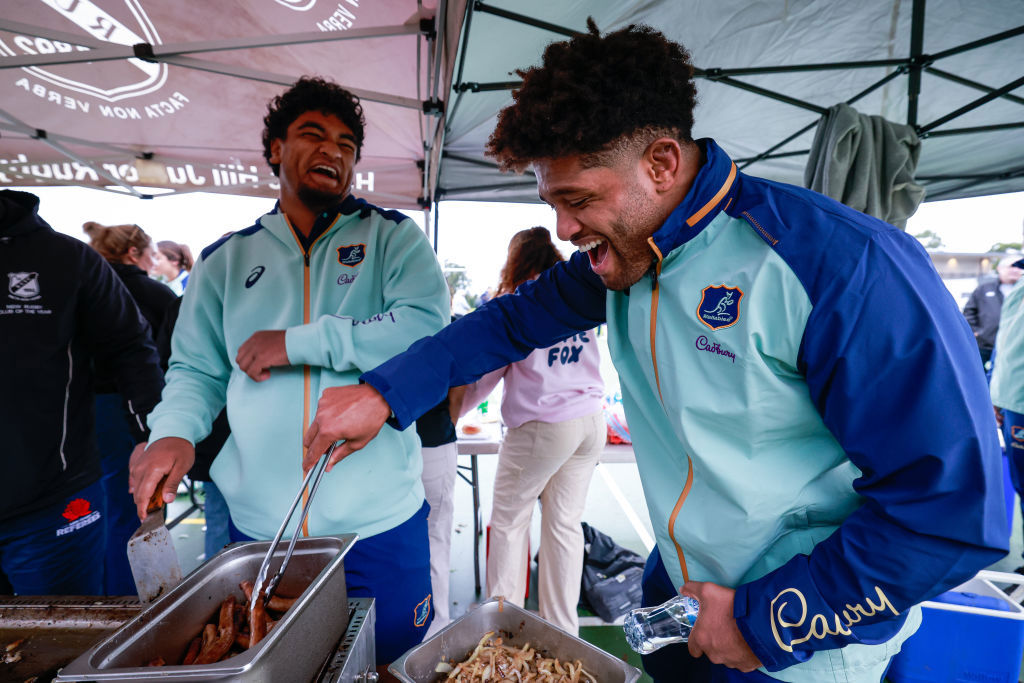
x,y
315,473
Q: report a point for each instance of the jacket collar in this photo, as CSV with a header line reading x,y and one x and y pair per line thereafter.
x,y
282,228
714,188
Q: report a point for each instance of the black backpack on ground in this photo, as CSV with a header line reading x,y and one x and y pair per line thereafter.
x,y
611,576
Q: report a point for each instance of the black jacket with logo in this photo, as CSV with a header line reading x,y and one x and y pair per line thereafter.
x,y
62,306
982,312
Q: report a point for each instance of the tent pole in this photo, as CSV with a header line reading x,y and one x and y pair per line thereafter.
x,y
523,19
970,84
437,213
767,154
1013,85
160,52
916,48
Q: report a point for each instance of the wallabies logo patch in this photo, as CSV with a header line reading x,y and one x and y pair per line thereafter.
x,y
421,612
719,306
351,255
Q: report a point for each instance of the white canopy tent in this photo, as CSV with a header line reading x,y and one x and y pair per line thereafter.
x,y
766,73
126,94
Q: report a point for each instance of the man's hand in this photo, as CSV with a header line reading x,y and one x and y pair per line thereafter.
x,y
715,634
999,416
354,413
260,352
148,465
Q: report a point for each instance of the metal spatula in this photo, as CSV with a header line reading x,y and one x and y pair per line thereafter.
x,y
151,554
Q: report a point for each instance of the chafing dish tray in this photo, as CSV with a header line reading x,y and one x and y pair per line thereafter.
x,y
294,650
516,627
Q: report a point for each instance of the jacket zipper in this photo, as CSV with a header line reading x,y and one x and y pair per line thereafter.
x,y
657,380
306,373
67,399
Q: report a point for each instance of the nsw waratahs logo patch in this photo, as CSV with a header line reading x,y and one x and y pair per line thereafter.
x,y
719,306
351,255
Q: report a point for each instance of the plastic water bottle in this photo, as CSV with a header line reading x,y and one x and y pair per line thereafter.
x,y
651,628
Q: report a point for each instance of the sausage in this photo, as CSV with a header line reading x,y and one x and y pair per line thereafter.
x,y
214,650
276,603
258,622
193,651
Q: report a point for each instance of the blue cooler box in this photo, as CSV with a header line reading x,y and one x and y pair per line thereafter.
x,y
972,633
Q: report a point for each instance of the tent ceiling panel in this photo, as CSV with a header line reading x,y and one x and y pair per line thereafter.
x,y
761,82
198,102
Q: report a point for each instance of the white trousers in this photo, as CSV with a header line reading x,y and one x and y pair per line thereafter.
x,y
439,468
555,462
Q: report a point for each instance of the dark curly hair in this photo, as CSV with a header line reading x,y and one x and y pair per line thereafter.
x,y
591,93
311,94
530,252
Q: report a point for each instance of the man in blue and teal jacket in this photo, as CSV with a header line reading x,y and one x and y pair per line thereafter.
x,y
319,290
809,418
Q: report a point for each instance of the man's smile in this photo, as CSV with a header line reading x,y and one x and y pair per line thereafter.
x,y
596,249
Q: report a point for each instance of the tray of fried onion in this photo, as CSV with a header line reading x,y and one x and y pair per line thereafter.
x,y
499,641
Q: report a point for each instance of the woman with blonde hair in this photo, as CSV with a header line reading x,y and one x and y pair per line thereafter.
x,y
129,251
552,406
173,264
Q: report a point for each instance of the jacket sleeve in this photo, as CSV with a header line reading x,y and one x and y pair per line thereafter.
x,y
119,338
893,370
564,300
415,305
199,367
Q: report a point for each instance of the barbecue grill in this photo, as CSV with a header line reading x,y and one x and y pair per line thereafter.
x,y
323,637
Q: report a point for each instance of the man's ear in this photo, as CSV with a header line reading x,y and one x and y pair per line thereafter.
x,y
275,151
664,159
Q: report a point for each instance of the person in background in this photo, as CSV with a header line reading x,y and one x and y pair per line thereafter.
x,y
63,310
172,265
986,301
810,422
436,430
129,251
552,406
1007,385
321,288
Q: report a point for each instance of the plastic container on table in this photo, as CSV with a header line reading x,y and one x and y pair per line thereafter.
x,y
972,633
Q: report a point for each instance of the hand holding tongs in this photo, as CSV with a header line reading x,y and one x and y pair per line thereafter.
x,y
316,473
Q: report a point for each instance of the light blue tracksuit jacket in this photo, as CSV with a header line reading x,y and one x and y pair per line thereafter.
x,y
810,420
366,288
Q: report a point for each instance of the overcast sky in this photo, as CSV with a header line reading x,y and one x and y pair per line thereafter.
x,y
472,234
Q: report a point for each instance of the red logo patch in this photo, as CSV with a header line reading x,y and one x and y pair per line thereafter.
x,y
77,508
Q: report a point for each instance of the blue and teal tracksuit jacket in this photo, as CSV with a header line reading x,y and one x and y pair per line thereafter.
x,y
809,416
367,287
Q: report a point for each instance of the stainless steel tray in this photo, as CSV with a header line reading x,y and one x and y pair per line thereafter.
x,y
293,651
517,627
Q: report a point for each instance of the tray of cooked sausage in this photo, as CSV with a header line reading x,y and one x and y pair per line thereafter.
x,y
204,628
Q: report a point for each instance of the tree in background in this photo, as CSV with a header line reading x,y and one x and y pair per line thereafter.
x,y
929,239
458,284
1006,246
